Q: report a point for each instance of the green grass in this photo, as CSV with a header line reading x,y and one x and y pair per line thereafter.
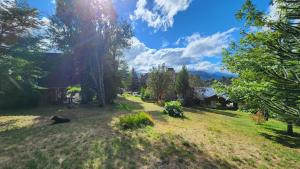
x,y
206,138
136,120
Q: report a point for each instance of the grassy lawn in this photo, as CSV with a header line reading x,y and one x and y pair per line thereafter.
x,y
204,139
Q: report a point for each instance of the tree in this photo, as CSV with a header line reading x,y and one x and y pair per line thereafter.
x,y
159,82
20,53
267,62
182,84
196,81
94,37
134,81
124,75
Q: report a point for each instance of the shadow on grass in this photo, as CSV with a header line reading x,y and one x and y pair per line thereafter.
x,y
282,138
40,111
209,110
166,151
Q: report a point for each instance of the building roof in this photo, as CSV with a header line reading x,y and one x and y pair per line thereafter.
x,y
59,70
206,92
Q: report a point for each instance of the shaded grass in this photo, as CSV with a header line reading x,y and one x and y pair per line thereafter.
x,y
205,139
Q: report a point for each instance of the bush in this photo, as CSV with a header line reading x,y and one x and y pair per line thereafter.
x,y
134,121
173,108
145,94
259,117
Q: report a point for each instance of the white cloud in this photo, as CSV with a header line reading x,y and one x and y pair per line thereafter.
x,y
207,46
165,44
161,15
192,54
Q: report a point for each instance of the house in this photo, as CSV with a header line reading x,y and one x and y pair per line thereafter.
x,y
209,97
59,75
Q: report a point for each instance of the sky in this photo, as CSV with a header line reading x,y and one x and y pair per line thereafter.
x,y
176,32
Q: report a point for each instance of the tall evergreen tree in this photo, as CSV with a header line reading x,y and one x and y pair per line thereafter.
x,y
134,81
268,62
182,84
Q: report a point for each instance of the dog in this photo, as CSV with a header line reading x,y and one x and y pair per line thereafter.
x,y
57,119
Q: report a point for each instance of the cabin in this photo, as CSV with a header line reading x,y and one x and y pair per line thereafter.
x,y
59,75
208,97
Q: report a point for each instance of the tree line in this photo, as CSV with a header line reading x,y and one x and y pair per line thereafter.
x,y
163,84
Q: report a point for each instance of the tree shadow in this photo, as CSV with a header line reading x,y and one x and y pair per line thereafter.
x,y
167,151
203,110
37,111
282,138
159,116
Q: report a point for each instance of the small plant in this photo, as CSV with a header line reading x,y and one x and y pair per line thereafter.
x,y
134,121
258,117
173,108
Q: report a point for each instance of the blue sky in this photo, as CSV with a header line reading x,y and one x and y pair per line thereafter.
x,y
176,32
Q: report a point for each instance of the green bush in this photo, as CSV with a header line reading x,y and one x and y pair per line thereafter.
x,y
145,94
134,121
173,108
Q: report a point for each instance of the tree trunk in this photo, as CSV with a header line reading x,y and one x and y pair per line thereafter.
x,y
290,128
99,78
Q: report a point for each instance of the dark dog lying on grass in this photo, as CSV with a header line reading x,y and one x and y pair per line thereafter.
x,y
58,119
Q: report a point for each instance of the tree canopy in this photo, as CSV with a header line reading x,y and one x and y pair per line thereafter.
x,y
267,61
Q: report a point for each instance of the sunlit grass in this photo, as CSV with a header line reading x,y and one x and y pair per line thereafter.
x,y
16,122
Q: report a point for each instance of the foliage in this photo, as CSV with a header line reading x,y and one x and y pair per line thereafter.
x,y
20,53
196,81
124,74
134,81
134,121
173,108
22,97
145,94
182,85
159,82
72,90
267,61
258,117
93,35
182,81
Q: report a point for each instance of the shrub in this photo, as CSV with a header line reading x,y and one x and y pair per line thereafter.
x,y
133,121
259,117
145,94
173,108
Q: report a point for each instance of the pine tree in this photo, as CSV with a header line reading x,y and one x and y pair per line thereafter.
x,y
134,81
182,84
268,62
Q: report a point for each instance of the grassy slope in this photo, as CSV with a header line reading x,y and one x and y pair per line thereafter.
x,y
205,139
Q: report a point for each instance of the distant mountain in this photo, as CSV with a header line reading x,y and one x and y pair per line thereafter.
x,y
211,75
